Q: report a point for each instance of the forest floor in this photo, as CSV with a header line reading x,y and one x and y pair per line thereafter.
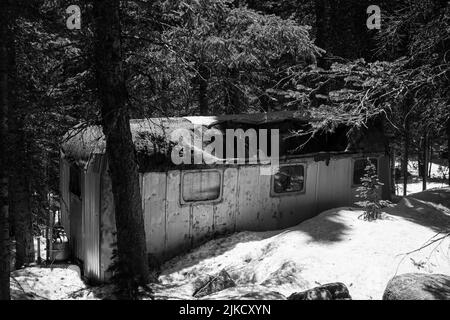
x,y
335,246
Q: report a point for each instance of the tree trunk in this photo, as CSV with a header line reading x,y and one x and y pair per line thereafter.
x,y
425,162
4,174
405,159
120,151
430,156
22,218
19,187
448,149
393,179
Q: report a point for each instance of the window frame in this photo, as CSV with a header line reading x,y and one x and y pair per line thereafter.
x,y
353,168
289,193
184,202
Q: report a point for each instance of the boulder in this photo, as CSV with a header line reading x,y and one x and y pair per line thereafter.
x,y
212,284
329,291
418,286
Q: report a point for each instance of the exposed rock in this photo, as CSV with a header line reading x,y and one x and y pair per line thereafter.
x,y
213,284
418,286
329,291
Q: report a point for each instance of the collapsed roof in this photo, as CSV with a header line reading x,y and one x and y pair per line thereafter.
x,y
153,140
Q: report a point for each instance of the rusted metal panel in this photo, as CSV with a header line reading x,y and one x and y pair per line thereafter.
x,y
225,211
202,223
267,207
178,217
248,213
154,197
202,191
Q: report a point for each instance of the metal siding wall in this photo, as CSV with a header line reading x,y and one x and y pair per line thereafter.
x,y
225,211
153,191
91,225
248,212
296,208
64,172
76,221
334,184
178,218
246,204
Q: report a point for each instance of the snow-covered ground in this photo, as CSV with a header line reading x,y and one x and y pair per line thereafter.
x,y
437,171
415,187
335,246
438,174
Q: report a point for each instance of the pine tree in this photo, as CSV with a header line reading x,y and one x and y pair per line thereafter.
x,y
369,193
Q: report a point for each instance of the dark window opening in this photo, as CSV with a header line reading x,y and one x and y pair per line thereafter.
x,y
289,179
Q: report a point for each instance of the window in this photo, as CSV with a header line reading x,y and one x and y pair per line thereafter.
x,y
359,167
289,179
200,186
75,181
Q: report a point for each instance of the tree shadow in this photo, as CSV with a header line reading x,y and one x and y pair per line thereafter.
x,y
327,227
429,208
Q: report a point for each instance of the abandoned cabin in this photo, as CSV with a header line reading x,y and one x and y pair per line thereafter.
x,y
185,205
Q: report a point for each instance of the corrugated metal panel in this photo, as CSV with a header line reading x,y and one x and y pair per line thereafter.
x,y
64,171
76,223
91,227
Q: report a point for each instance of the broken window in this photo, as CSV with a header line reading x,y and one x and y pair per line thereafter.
x,y
202,185
359,167
289,179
